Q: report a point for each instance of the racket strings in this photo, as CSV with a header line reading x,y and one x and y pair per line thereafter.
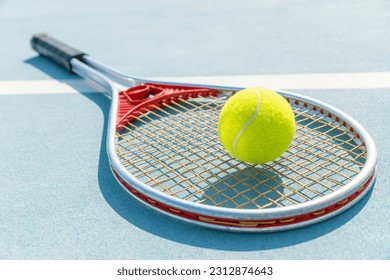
x,y
167,133
175,149
337,154
331,144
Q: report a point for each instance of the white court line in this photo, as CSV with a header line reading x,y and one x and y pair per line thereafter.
x,y
286,82
301,81
45,87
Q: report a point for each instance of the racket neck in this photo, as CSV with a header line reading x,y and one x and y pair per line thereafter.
x,y
111,73
87,72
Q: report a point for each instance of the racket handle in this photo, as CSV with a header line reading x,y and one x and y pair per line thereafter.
x,y
56,50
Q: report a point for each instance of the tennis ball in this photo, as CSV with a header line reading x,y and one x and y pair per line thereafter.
x,y
256,125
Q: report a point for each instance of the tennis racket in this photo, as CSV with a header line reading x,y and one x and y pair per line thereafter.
x,y
164,149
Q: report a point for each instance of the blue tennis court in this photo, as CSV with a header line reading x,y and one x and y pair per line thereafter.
x,y
59,199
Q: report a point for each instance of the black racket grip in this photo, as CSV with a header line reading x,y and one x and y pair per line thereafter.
x,y
56,50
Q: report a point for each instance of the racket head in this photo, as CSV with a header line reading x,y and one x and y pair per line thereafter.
x,y
206,186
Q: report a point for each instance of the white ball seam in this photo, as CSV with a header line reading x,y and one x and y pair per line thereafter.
x,y
252,118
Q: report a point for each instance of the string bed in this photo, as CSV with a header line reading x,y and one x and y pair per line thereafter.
x,y
175,149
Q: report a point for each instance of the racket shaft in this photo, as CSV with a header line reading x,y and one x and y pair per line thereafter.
x,y
91,74
67,57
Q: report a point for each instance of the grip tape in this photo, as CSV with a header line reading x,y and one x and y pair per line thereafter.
x,y
57,51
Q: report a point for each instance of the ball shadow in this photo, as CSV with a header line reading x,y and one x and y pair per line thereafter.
x,y
248,188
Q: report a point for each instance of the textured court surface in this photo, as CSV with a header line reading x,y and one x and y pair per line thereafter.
x,y
59,199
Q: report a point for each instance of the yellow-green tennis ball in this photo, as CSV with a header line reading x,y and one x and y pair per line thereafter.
x,y
256,125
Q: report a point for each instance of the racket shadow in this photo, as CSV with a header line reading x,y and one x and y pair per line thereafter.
x,y
171,229
50,68
168,228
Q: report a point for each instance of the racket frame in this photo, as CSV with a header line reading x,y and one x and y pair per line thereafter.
x,y
250,220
